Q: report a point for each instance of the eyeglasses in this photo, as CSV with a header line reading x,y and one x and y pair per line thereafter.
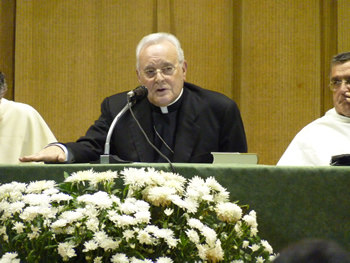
x,y
165,71
336,83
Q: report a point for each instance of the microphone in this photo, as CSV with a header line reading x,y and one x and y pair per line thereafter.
x,y
132,97
137,94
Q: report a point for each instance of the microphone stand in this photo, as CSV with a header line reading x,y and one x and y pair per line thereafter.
x,y
106,158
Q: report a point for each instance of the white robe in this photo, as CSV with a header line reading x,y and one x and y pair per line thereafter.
x,y
22,131
318,141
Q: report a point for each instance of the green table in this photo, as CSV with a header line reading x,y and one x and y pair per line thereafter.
x,y
292,203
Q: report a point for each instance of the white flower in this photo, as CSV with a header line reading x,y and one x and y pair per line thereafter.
x,y
210,235
72,216
228,212
109,244
102,177
99,199
58,224
39,186
119,258
159,195
37,199
212,254
251,219
9,257
245,244
51,191
260,259
80,176
66,250
121,220
267,246
195,223
59,197
90,245
193,236
30,212
18,227
136,178
168,211
254,247
253,231
144,237
143,217
16,207
92,224
98,260
128,234
164,260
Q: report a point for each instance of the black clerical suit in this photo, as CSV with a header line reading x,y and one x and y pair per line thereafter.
x,y
206,121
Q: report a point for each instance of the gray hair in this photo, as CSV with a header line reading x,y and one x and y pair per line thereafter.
x,y
3,85
156,38
340,58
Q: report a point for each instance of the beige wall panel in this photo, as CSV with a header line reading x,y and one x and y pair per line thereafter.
x,y
329,35
7,41
208,32
70,54
343,25
280,72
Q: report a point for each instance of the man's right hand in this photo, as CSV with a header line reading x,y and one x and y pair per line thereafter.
x,y
51,154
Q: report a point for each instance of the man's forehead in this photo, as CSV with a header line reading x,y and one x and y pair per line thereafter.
x,y
341,68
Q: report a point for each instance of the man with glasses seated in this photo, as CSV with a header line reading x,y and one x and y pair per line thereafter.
x,y
185,122
329,135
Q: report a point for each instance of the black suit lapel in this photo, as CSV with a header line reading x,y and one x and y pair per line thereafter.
x,y
142,113
187,130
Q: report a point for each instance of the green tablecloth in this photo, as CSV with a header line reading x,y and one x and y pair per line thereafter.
x,y
292,203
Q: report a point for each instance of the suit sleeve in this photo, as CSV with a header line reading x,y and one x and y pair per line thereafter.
x,y
232,135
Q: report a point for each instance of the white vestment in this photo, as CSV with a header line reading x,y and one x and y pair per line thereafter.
x,y
318,141
22,131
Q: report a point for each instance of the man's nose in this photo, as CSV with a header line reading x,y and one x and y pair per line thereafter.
x,y
159,74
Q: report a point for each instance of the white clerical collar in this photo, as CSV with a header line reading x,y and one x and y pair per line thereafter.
x,y
164,109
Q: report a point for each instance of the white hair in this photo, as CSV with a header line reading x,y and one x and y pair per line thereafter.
x,y
157,38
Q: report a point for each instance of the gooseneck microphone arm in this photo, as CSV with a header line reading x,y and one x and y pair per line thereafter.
x,y
132,96
149,142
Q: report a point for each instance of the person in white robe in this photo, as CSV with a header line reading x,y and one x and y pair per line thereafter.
x,y
22,129
328,136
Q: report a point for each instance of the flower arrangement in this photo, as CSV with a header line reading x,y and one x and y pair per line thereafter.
x,y
153,216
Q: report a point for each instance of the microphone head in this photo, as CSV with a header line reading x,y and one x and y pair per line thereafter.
x,y
138,94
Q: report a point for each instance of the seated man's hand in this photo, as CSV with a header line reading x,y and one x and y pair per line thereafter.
x,y
51,154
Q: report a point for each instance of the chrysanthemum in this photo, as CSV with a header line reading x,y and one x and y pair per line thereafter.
x,y
193,235
144,237
39,186
99,199
16,207
195,223
60,197
159,196
102,177
119,258
164,260
66,250
267,246
36,199
18,227
228,212
10,257
250,219
80,176
210,235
